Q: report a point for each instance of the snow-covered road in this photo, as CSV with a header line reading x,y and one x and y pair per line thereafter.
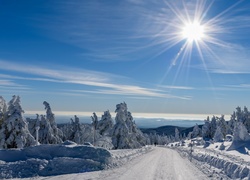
x,y
160,163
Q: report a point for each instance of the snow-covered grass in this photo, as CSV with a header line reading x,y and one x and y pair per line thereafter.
x,y
65,158
216,160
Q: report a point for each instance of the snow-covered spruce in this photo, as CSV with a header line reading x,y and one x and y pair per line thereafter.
x,y
125,133
14,131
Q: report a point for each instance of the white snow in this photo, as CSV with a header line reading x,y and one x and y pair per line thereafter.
x,y
51,159
217,162
160,164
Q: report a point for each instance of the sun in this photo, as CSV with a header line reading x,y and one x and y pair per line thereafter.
x,y
193,32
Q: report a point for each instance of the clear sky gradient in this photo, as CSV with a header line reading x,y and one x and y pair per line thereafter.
x,y
91,55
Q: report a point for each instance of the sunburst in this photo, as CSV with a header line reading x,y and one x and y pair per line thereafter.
x,y
189,27
193,31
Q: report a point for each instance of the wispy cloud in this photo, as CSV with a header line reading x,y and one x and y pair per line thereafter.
x,y
135,91
239,86
105,81
177,87
9,84
231,60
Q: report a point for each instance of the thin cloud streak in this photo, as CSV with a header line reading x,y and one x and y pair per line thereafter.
x,y
230,60
140,94
177,87
84,77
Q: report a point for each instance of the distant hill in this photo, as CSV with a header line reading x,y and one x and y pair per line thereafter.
x,y
168,130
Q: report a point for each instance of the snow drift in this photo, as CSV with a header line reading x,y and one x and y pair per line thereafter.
x,y
45,160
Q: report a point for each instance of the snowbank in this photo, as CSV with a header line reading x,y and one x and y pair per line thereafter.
x,y
46,160
231,169
66,158
218,162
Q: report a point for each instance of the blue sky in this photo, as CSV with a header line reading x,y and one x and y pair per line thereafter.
x,y
87,56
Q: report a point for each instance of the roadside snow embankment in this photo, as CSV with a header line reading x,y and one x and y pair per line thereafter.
x,y
214,164
66,158
46,160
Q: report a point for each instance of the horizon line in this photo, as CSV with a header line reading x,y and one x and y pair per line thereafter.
x,y
170,116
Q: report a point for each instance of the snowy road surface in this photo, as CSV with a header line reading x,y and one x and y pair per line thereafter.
x,y
160,163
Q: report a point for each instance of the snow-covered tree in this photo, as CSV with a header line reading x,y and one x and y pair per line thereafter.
x,y
206,129
189,135
147,139
14,131
196,131
231,123
125,134
240,136
240,132
246,115
105,124
218,136
76,133
50,117
223,126
177,135
242,116
46,134
3,109
33,124
94,125
238,114
213,126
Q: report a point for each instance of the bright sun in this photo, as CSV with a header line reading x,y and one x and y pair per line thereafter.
x,y
193,32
